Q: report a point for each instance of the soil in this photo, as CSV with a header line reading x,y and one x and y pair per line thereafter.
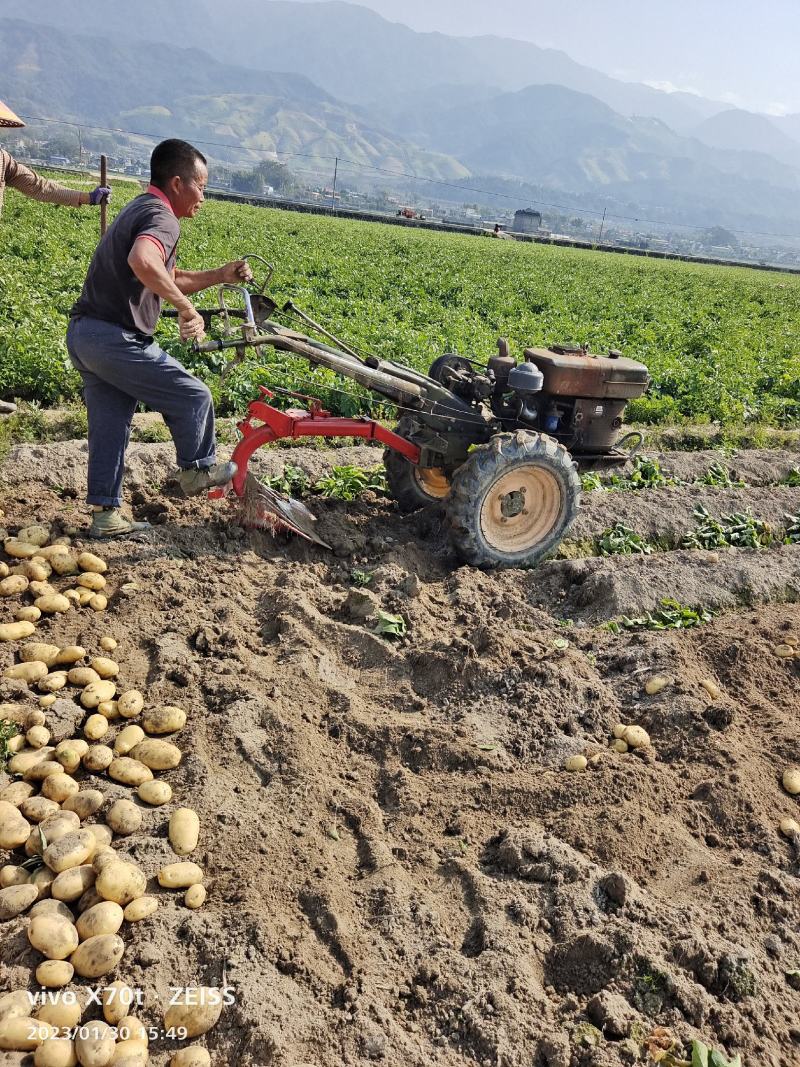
x,y
400,869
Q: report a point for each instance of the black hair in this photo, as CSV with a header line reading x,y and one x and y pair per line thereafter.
x,y
173,157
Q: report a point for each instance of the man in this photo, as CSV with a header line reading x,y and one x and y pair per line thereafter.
x,y
110,337
25,181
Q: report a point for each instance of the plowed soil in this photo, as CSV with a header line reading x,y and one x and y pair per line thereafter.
x,y
400,869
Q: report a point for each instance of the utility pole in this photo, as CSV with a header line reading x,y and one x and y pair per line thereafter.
x,y
602,225
335,172
80,148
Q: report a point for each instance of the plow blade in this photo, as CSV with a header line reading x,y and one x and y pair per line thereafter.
x,y
265,509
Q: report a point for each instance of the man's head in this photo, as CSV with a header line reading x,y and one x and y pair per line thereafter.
x,y
180,172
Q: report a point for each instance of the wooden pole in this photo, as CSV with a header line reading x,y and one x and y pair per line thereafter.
x,y
103,204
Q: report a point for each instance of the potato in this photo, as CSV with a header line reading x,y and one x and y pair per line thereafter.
x,y
711,688
52,603
52,682
55,1052
121,882
37,589
124,817
48,699
109,710
195,896
15,743
131,1029
619,745
15,899
36,809
191,1056
102,833
35,717
37,736
24,1033
791,780
70,654
87,561
36,569
164,720
60,1011
96,692
3,570
95,727
71,850
130,704
39,771
106,854
12,1005
95,1043
73,595
130,1054
84,596
88,900
54,973
98,758
35,534
12,875
155,792
117,999
27,613
636,737
788,827
23,761
49,906
576,763
84,803
15,631
54,937
97,955
104,918
68,755
184,831
14,585
73,883
129,771
19,549
127,738
58,787
26,672
82,676
108,644
63,564
156,754
16,792
92,581
14,827
180,875
42,878
98,602
141,908
199,1016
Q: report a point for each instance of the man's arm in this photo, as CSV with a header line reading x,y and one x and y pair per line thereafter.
x,y
147,263
193,281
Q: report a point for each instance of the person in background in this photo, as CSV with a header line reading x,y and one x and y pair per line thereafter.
x,y
110,337
25,181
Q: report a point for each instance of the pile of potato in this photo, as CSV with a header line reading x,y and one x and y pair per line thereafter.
x,y
63,872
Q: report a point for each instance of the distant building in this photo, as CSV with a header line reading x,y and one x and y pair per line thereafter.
x,y
526,220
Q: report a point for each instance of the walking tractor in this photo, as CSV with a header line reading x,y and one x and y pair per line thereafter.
x,y
497,445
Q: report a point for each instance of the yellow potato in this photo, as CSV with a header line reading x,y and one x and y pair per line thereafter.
x,y
90,580
37,589
88,900
70,654
16,792
97,955
52,682
636,737
15,631
102,833
97,758
130,704
98,602
97,692
23,761
191,1056
82,676
49,906
117,998
36,569
35,534
156,754
95,727
42,879
39,771
108,644
54,937
19,549
131,1029
73,883
105,855
35,717
36,809
73,595
104,666
103,918
95,1043
23,1034
14,827
60,1011
47,700
28,613
15,899
54,973
56,1052
576,763
184,831
84,596
141,908
3,570
129,771
14,585
791,780
121,882
14,1004
109,709
195,896
58,787
71,850
26,672
155,792
180,875
87,561
124,817
52,603
128,738
15,743
63,563
12,875
37,736
196,1017
164,720
68,755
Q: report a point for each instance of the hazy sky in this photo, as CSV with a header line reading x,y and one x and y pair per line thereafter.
x,y
741,52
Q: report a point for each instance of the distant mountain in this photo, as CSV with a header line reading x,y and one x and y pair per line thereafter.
x,y
746,131
164,91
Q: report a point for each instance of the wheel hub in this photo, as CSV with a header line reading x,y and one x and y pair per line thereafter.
x,y
520,509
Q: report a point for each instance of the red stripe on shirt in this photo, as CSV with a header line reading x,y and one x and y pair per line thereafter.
x,y
155,191
156,242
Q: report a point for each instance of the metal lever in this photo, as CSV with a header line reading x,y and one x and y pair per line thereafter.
x,y
269,266
245,293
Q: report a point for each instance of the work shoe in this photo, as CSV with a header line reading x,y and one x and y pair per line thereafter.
x,y
196,480
111,523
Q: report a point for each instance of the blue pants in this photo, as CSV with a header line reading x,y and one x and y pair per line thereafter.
x,y
120,368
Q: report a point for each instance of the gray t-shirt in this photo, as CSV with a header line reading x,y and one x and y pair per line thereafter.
x,y
111,291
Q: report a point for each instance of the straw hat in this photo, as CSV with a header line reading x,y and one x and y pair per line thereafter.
x,y
8,118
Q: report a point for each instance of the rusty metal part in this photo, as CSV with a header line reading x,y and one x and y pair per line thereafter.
x,y
432,481
263,508
584,375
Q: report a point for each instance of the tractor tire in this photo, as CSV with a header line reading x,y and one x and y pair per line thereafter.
x,y
450,361
513,500
413,487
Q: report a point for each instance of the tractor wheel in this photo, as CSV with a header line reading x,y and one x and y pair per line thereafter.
x,y
513,500
413,487
442,368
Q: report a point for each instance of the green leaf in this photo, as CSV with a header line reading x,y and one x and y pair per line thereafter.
x,y
389,625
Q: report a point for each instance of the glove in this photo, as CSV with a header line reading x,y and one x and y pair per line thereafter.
x,y
102,194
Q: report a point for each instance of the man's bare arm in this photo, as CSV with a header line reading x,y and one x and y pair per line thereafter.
x,y
193,281
147,264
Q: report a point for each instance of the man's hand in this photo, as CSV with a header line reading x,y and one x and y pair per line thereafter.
x,y
191,325
236,272
100,195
